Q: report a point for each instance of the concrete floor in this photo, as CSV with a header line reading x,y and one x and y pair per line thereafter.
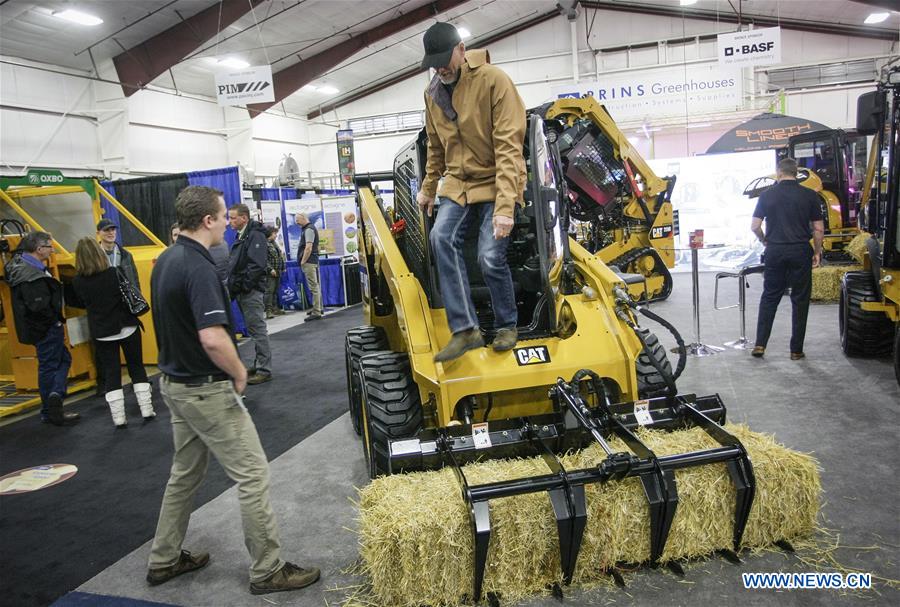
x,y
845,411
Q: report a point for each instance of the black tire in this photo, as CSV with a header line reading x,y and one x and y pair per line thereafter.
x,y
391,407
897,353
650,382
863,333
359,342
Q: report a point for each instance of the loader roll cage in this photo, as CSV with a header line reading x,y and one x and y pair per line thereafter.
x,y
538,253
576,425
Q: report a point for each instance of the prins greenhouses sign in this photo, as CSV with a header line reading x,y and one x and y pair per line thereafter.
x,y
44,177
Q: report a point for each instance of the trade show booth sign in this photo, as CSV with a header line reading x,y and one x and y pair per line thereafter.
x,y
673,91
753,47
249,85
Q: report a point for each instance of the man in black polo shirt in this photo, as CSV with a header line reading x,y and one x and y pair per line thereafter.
x,y
793,215
203,379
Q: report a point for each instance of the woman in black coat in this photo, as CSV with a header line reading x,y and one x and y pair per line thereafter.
x,y
113,327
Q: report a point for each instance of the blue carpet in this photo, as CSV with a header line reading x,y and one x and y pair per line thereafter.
x,y
54,540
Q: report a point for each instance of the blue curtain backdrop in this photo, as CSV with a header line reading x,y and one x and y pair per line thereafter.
x,y
109,211
227,179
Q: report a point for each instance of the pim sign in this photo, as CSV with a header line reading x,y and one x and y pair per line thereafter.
x,y
753,47
249,85
44,177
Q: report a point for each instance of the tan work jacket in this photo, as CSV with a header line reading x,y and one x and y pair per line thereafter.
x,y
479,153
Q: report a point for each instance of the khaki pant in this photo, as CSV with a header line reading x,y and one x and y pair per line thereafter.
x,y
310,271
211,418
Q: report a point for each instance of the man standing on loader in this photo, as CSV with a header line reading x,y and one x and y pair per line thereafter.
x,y
793,215
475,121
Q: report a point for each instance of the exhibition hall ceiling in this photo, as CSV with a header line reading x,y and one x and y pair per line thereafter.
x,y
287,32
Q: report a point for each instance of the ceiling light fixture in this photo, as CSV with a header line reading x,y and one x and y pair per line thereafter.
x,y
328,90
464,32
231,62
78,17
688,2
702,125
308,88
876,18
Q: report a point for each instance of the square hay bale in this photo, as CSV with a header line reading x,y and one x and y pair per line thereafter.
x,y
857,246
416,541
826,282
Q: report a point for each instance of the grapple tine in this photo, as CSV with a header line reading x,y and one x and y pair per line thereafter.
x,y
481,526
745,484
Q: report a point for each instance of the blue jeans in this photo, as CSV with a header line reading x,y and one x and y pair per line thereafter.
x,y
447,238
54,361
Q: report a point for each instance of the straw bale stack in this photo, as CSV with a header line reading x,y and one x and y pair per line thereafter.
x,y
417,548
826,282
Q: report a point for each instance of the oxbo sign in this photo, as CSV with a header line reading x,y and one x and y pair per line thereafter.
x,y
44,177
673,91
753,47
249,85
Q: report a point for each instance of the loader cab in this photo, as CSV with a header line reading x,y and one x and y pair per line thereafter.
x,y
878,114
828,154
538,244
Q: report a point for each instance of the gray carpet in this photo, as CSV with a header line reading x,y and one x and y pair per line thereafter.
x,y
844,411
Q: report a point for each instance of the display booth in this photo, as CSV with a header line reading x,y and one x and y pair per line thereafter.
x,y
152,200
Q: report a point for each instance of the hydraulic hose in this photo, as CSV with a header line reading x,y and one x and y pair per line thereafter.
x,y
623,299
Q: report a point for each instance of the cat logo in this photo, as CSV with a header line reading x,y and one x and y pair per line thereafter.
x,y
661,231
536,355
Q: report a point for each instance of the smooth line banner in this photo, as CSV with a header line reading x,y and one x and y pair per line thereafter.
x,y
654,93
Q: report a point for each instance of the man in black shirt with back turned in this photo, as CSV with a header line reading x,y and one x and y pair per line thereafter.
x,y
203,377
793,215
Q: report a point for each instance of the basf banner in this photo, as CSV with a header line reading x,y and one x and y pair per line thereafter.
x,y
753,47
672,91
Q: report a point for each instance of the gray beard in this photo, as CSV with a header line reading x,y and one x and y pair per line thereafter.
x,y
450,80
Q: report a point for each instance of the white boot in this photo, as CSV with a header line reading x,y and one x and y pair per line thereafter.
x,y
116,401
145,400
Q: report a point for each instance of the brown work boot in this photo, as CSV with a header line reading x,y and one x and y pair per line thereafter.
x,y
259,377
505,340
289,577
186,562
758,351
459,344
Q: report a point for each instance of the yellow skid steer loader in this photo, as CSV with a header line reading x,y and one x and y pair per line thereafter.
x,y
583,372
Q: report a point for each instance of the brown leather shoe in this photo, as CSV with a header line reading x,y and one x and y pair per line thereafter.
x,y
459,344
505,340
187,562
758,351
797,355
289,577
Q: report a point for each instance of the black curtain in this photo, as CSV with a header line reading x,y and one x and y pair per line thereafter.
x,y
152,201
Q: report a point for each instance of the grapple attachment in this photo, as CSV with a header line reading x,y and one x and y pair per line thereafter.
x,y
576,425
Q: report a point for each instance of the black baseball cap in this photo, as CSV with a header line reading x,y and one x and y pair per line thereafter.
x,y
439,41
105,223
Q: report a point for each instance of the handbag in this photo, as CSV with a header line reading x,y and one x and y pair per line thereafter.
x,y
131,297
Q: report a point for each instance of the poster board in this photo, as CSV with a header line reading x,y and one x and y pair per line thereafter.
x,y
271,216
340,218
311,206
